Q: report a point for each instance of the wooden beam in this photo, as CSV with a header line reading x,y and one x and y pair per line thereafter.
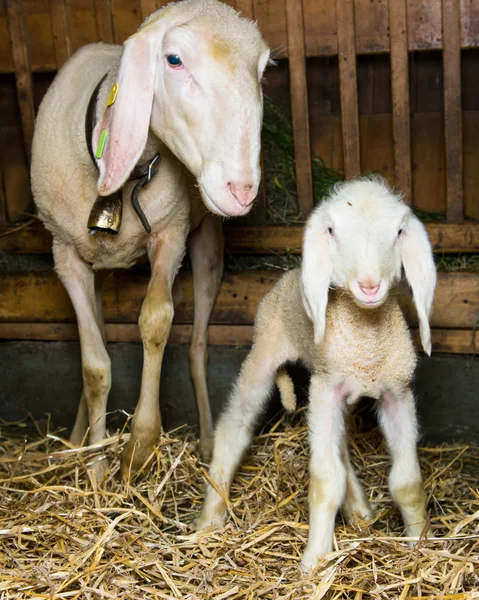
x,y
3,203
39,297
451,27
299,106
104,21
400,96
147,7
251,239
451,341
61,30
246,8
348,87
23,75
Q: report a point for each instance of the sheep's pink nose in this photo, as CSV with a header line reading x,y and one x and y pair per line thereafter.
x,y
369,288
245,193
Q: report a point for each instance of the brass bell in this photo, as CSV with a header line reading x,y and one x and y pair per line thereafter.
x,y
105,214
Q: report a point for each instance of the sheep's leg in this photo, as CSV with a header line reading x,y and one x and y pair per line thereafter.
x,y
397,418
79,281
165,253
234,430
328,473
81,422
205,247
355,504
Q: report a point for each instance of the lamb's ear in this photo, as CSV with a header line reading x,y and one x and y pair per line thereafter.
x,y
316,272
126,121
418,263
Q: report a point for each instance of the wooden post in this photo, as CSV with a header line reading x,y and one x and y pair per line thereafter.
x,y
299,105
400,96
23,74
104,21
348,87
451,35
61,30
3,204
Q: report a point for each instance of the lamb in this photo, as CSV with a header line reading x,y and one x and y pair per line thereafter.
x,y
184,93
339,316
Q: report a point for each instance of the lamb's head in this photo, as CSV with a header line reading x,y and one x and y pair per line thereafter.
x,y
192,74
358,240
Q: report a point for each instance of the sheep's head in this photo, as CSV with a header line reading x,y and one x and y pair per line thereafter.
x,y
358,240
192,74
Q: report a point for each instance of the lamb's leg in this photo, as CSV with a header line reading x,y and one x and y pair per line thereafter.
x,y
397,417
79,281
205,247
165,253
355,504
328,472
234,430
81,422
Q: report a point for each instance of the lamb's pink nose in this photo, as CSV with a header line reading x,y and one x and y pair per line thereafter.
x,y
369,288
245,193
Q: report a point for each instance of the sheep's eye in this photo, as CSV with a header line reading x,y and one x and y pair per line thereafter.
x,y
174,60
330,231
399,232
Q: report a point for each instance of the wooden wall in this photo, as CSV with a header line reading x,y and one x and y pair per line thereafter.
x,y
387,85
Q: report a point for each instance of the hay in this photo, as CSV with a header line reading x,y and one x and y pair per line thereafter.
x,y
62,537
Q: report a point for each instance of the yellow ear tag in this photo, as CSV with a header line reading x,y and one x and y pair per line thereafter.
x,y
101,143
112,95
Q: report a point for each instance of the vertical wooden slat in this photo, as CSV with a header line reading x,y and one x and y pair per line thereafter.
x,y
104,21
299,105
400,96
451,28
61,30
246,8
3,204
348,86
23,74
147,8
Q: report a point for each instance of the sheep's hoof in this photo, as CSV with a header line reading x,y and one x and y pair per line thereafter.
x,y
206,448
358,513
99,469
135,455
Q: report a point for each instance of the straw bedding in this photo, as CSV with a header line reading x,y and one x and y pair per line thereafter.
x,y
63,537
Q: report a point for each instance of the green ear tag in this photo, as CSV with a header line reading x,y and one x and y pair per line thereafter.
x,y
112,95
101,143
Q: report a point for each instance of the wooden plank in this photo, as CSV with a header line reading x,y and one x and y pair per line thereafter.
x,y
104,21
348,87
450,341
246,8
251,240
3,203
218,335
299,106
147,7
23,76
452,107
59,11
400,97
40,297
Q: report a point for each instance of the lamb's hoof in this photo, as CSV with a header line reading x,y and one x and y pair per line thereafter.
x,y
358,514
209,522
135,455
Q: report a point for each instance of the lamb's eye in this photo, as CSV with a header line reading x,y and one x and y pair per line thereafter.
x,y
399,232
174,61
330,231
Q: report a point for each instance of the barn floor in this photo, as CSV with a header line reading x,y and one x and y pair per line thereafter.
x,y
61,537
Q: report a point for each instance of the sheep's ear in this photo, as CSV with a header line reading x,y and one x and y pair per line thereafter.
x,y
316,271
126,121
418,263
